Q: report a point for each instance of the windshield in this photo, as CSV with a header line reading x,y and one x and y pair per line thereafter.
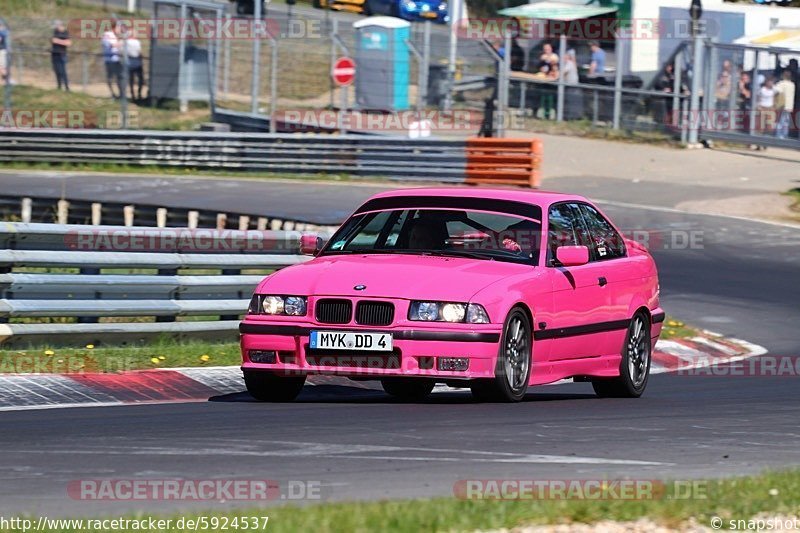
x,y
456,232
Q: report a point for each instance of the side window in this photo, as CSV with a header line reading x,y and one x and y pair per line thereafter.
x,y
605,243
368,236
561,229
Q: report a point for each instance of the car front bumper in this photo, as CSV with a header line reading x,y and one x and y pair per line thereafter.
x,y
416,352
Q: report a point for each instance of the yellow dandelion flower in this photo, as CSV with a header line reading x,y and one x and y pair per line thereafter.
x,y
90,346
49,352
155,360
161,357
204,358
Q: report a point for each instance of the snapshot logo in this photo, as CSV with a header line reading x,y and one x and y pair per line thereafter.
x,y
181,240
771,366
192,490
196,28
65,119
579,489
594,29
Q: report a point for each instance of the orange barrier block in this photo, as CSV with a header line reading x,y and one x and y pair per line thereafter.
x,y
504,161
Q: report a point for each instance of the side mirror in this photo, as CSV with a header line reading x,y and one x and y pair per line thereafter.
x,y
310,244
572,255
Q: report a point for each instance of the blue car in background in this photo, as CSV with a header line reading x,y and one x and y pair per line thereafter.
x,y
433,10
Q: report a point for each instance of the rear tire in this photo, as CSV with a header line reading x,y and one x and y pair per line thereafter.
x,y
513,370
408,388
634,369
266,387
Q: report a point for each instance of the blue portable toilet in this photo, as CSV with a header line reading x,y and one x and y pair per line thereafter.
x,y
382,63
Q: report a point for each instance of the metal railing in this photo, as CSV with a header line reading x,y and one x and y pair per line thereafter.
x,y
93,284
399,158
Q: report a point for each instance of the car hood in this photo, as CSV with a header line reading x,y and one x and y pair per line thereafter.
x,y
391,276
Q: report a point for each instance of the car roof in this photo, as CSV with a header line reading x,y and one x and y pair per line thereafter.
x,y
535,197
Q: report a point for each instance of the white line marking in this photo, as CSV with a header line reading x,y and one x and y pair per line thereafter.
x,y
683,212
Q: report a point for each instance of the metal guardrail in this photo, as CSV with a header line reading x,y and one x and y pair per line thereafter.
x,y
394,157
356,155
122,272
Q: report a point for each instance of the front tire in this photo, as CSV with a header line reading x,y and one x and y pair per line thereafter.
x,y
513,370
266,387
410,389
634,369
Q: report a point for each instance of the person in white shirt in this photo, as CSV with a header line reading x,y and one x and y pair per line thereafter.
x,y
133,50
765,100
784,104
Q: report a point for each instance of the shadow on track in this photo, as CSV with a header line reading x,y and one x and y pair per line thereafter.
x,y
360,395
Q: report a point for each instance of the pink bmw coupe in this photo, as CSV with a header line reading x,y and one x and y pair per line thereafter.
x,y
491,289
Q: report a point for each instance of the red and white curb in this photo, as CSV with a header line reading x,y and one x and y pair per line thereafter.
x,y
179,385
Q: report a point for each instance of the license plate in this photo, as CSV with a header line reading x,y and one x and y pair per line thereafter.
x,y
350,340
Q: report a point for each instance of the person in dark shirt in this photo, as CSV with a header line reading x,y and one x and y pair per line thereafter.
x,y
58,53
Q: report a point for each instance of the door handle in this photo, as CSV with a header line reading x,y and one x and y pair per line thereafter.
x,y
602,281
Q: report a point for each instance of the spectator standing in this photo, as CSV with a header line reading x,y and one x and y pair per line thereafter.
x,y
58,53
112,60
766,106
598,65
517,56
784,104
3,51
547,58
135,65
573,96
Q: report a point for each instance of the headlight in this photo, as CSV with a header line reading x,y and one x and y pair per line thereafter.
x,y
448,312
476,314
262,304
294,305
443,6
411,4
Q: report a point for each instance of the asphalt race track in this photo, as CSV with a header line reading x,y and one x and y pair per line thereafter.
x,y
740,279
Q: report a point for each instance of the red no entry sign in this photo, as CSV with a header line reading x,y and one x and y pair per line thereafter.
x,y
344,71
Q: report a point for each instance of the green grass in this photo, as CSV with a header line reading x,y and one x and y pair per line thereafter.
x,y
795,194
89,358
735,498
242,173
675,329
102,112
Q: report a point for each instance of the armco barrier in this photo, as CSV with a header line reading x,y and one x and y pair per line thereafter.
x,y
502,161
96,302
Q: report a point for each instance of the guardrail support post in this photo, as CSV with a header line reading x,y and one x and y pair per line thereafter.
x,y
192,218
62,211
127,215
244,222
222,220
261,224
97,213
161,217
25,210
